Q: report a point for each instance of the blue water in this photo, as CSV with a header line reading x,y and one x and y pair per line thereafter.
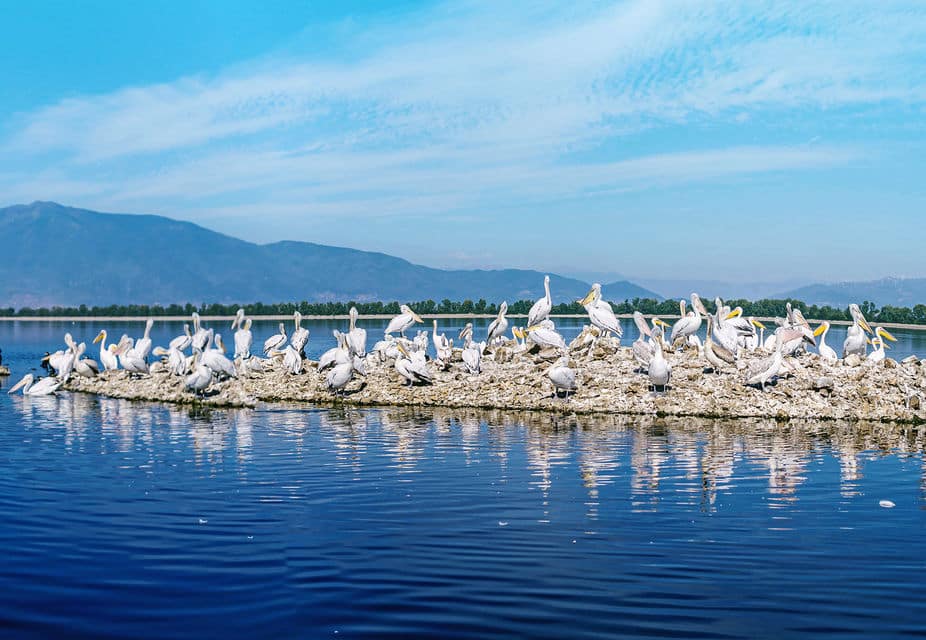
x,y
121,519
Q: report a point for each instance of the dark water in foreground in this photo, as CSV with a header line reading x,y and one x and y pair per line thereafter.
x,y
122,519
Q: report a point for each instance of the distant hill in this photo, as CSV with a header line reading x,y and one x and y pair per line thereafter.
x,y
898,292
58,255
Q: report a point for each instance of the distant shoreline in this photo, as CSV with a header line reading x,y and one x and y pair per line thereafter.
x,y
386,316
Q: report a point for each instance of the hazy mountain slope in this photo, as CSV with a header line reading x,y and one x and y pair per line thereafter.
x,y
900,292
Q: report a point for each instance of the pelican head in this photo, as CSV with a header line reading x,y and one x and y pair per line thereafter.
x,y
757,324
407,310
247,324
100,336
859,317
239,317
642,327
697,305
593,294
823,328
503,309
736,313
25,382
219,343
881,332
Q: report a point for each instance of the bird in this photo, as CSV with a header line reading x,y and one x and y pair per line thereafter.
x,y
759,372
300,336
292,360
129,359
85,367
499,326
183,341
176,362
200,335
689,323
40,387
545,335
356,336
201,377
827,353
600,313
142,346
472,356
214,358
403,321
338,354
563,377
643,347
443,347
541,309
243,339
276,341
856,343
412,366
880,335
659,370
107,358
717,355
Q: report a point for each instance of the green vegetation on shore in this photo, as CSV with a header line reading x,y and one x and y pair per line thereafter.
x,y
758,308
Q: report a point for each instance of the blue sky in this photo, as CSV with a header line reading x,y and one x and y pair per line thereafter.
x,y
724,140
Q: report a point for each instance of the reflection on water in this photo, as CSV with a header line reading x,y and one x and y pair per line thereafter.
x,y
403,521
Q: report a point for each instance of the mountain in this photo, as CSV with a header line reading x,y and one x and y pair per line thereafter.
x,y
58,255
708,289
898,292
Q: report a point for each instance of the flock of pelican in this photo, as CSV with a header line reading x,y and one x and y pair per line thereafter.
x,y
200,357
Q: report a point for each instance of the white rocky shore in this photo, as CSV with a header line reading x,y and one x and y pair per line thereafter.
x,y
609,382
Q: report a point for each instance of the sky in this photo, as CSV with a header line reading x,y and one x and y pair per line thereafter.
x,y
732,141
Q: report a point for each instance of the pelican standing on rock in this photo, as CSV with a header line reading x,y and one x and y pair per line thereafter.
x,y
499,326
563,377
200,335
243,340
689,323
659,370
472,356
276,341
856,343
108,359
300,336
201,377
85,367
33,387
356,336
545,335
412,366
214,358
129,358
600,313
143,345
403,321
881,334
827,353
541,309
183,341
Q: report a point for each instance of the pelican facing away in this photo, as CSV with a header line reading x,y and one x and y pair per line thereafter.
x,y
541,309
33,387
600,313
356,336
300,336
403,321
563,377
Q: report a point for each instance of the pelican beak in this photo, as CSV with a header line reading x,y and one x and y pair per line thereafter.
x,y
819,330
534,328
661,323
402,349
417,317
868,340
864,324
885,334
736,313
588,298
16,387
759,325
100,336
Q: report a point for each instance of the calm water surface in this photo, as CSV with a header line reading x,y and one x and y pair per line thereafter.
x,y
122,519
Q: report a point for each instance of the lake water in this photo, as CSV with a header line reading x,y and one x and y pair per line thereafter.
x,y
121,519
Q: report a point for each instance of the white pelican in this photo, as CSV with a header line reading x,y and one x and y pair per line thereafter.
x,y
338,354
200,335
201,378
472,356
85,367
108,359
62,361
881,334
856,342
761,371
643,347
563,377
300,336
690,322
33,387
541,309
276,341
339,377
214,358
727,334
143,345
716,355
292,360
129,359
403,321
412,366
176,361
827,352
600,312
243,340
499,326
466,334
356,336
753,341
183,341
659,369
545,335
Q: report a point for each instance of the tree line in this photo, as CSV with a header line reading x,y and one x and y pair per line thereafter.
x,y
758,308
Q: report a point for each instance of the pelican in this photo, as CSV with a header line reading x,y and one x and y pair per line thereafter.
x,y
176,361
716,355
563,377
643,346
690,322
143,345
200,335
412,366
856,343
472,356
129,359
201,378
275,341
62,361
403,321
214,357
292,360
827,352
183,341
108,359
338,354
545,335
753,340
300,336
356,336
600,312
759,372
727,334
443,347
243,337
33,387
85,367
499,326
881,334
541,309
466,334
659,369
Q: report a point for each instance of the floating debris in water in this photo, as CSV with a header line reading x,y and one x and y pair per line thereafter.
x,y
887,504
